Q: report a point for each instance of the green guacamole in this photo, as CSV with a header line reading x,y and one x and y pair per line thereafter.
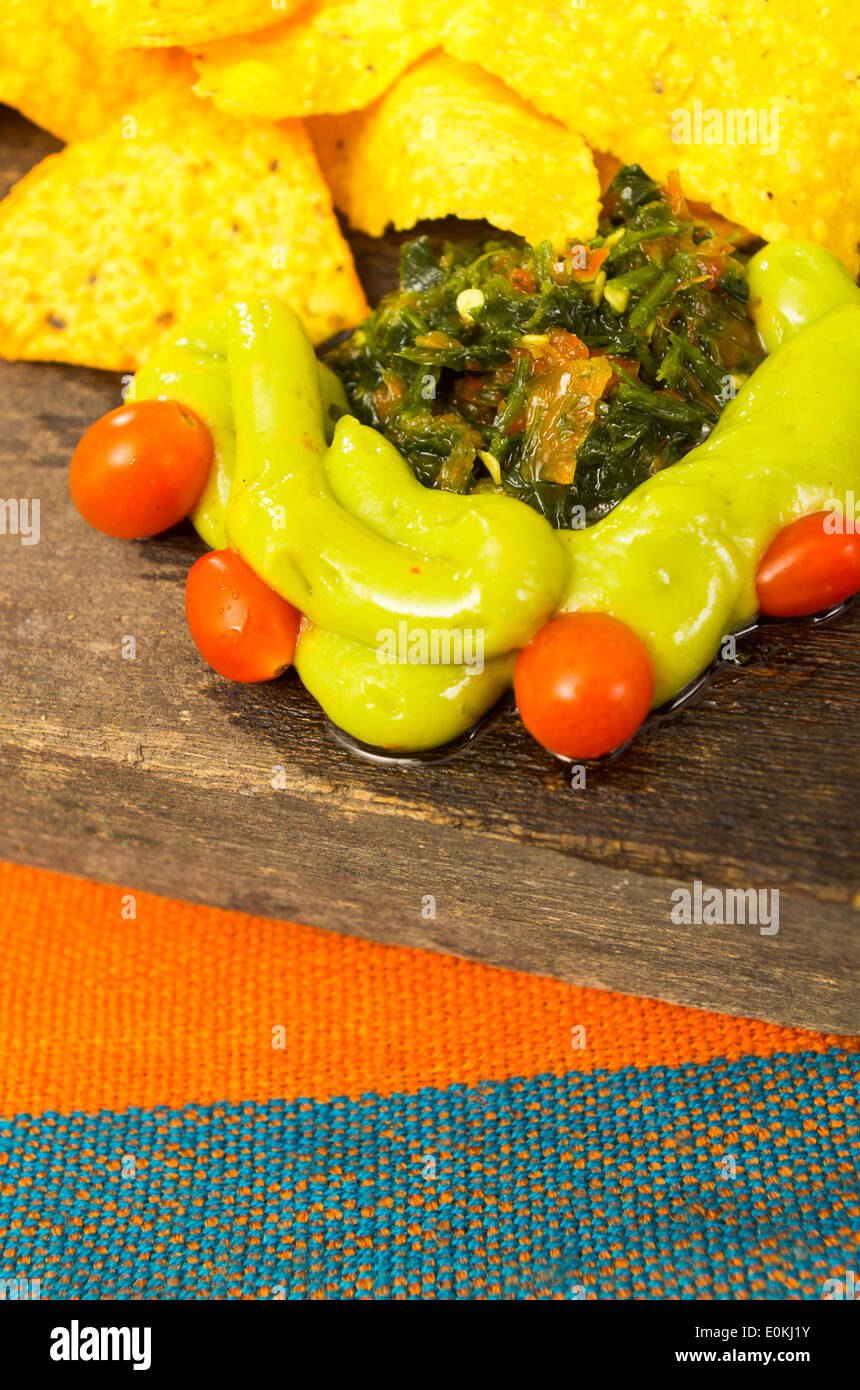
x,y
331,515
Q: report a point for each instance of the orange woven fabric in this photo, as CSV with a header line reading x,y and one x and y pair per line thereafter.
x,y
178,1005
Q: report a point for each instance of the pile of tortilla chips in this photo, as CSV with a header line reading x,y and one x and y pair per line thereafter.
x,y
209,142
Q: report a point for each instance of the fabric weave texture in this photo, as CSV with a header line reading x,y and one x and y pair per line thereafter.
x,y
204,1104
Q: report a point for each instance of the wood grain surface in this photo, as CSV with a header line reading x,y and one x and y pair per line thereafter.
x,y
152,772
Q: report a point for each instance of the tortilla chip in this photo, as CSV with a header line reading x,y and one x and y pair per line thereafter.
x,y
122,24
56,73
449,138
336,55
629,77
106,247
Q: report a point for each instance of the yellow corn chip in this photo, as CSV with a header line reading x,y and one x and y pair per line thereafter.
x,y
54,71
138,23
448,138
106,247
335,55
757,106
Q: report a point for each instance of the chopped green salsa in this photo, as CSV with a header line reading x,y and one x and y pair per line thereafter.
x,y
564,378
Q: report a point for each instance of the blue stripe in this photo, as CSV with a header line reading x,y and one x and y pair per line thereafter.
x,y
723,1180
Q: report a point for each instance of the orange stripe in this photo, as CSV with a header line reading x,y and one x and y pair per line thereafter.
x,y
178,1005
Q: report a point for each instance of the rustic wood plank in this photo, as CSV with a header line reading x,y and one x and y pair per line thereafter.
x,y
153,772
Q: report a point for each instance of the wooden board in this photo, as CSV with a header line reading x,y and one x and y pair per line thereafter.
x,y
153,773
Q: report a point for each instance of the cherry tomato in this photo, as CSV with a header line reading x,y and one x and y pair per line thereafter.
x,y
806,568
141,468
240,626
583,684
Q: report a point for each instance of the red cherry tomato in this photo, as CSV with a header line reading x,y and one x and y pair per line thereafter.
x,y
806,568
141,468
240,626
583,684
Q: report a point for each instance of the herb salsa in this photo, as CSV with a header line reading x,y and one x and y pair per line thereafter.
x,y
564,378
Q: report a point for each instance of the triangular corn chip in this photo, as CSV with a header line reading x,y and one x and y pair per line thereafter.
x,y
757,106
450,139
123,24
57,74
108,246
334,55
